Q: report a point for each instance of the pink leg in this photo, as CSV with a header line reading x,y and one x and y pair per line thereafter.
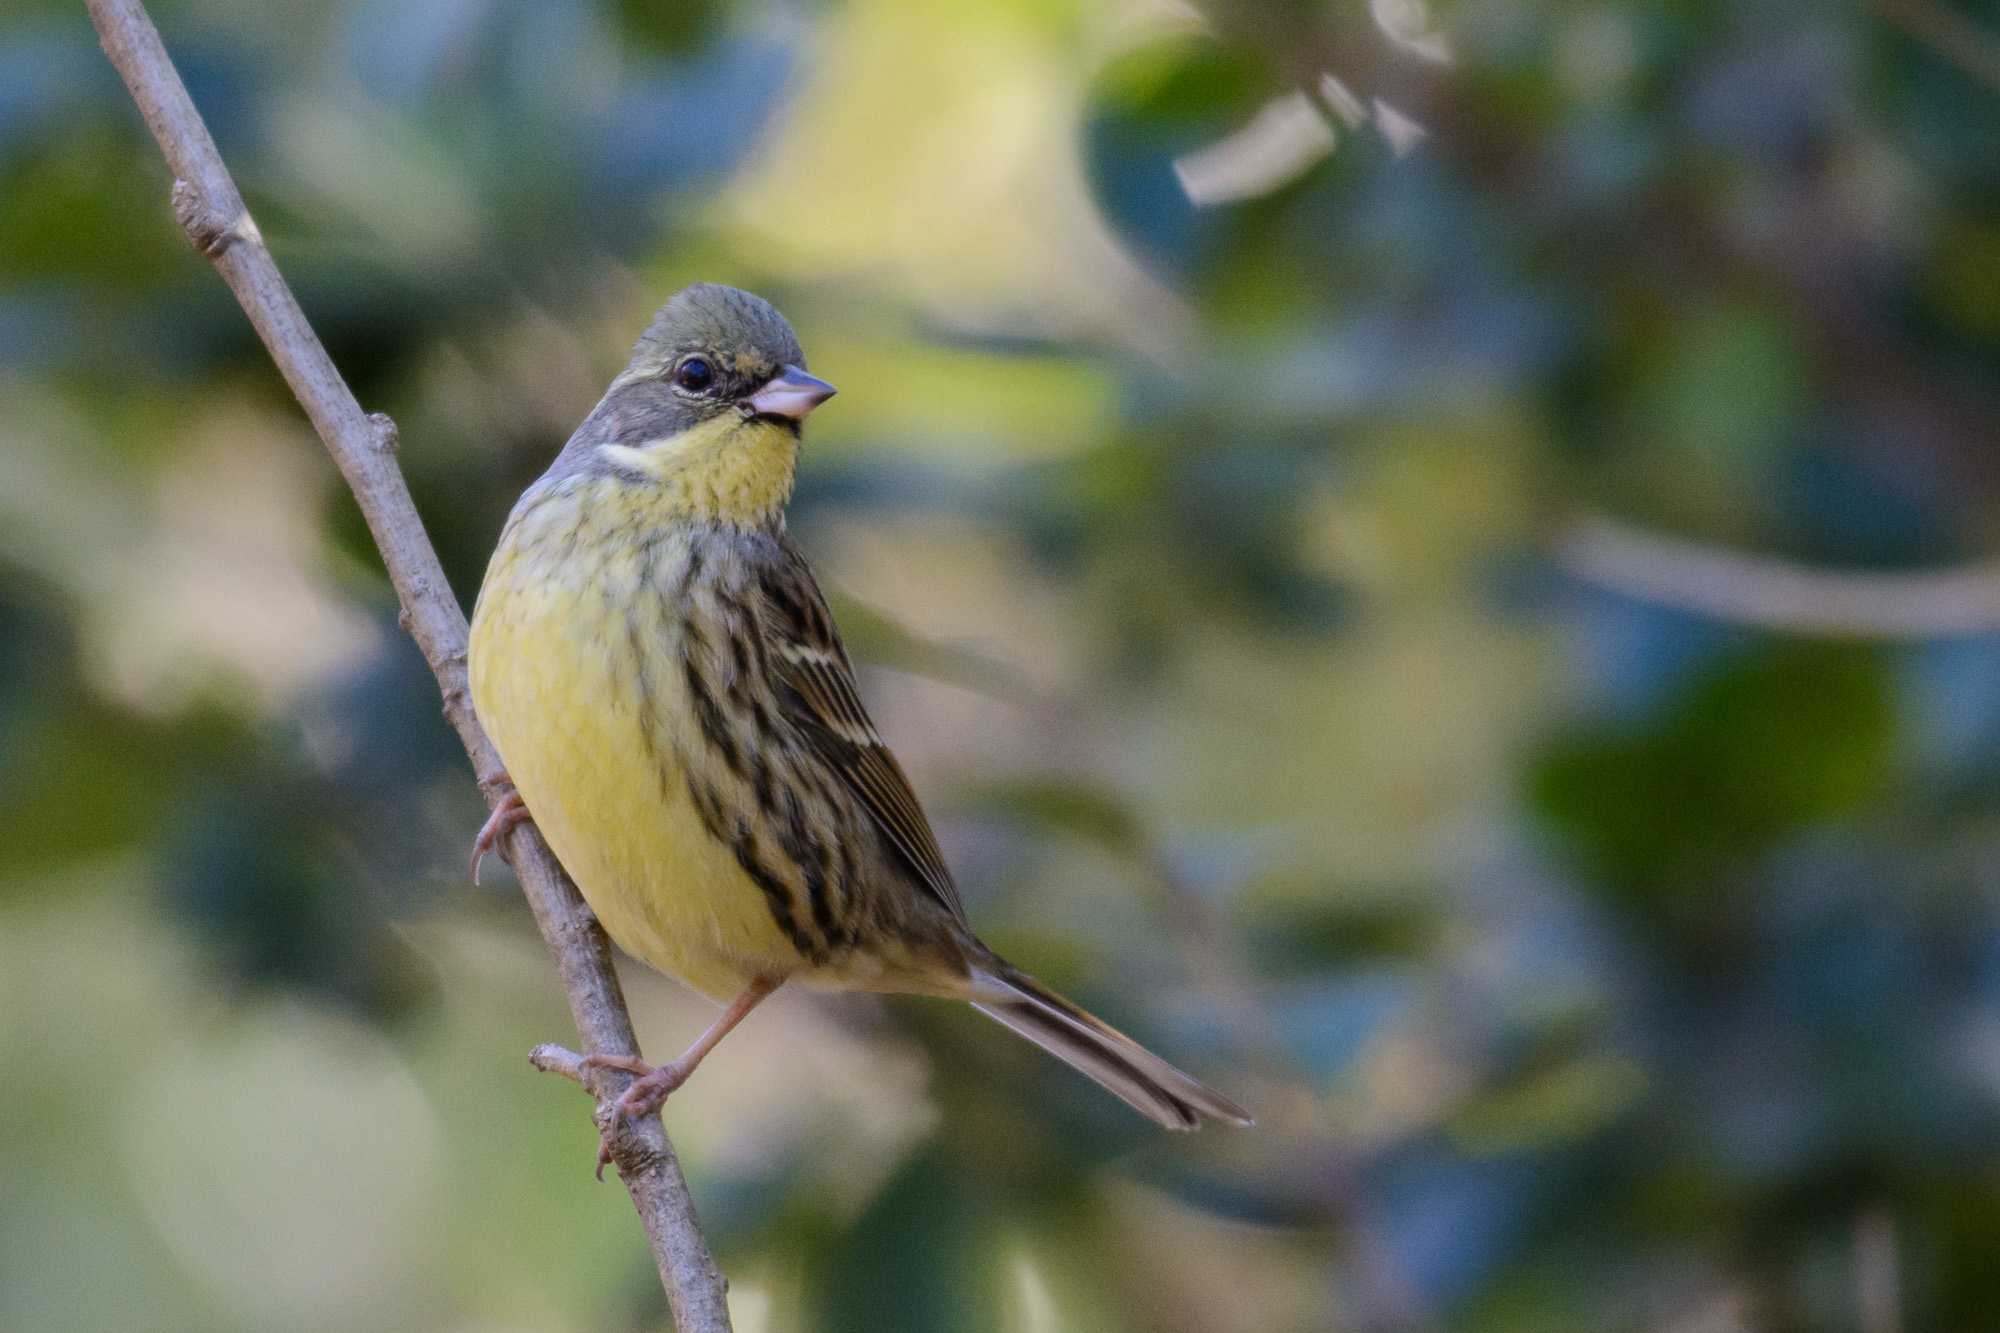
x,y
652,1087
510,811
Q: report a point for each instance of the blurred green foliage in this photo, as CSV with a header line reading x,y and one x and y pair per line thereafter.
x,y
1590,963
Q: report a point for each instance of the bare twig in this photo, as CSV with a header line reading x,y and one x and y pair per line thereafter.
x,y
1778,594
553,1059
208,206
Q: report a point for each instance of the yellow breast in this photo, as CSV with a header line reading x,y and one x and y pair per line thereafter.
x,y
575,666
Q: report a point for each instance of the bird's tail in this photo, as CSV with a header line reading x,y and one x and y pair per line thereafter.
x,y
1093,1047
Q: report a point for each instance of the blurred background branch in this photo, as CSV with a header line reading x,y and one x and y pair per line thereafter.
x,y
209,207
1954,35
1779,595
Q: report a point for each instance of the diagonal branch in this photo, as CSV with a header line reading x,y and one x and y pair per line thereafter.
x,y
207,203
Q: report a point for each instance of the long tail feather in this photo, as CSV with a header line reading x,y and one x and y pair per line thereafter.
x,y
1093,1047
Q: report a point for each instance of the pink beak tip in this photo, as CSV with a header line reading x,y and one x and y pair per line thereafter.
x,y
792,394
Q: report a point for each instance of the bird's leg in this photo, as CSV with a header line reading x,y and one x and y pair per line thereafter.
x,y
510,811
653,1086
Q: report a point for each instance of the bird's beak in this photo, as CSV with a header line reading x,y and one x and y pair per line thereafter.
x,y
791,394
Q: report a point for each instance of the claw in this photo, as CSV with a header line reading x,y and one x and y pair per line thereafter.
x,y
510,811
644,1095
650,1090
631,1064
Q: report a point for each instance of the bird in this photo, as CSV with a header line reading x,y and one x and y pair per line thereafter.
x,y
674,709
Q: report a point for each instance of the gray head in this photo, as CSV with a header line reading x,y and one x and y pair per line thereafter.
x,y
710,350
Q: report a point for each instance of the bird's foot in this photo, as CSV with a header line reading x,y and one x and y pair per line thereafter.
x,y
510,811
645,1094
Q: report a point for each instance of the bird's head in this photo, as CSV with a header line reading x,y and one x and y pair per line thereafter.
x,y
709,407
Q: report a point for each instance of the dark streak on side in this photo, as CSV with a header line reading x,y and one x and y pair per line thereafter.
x,y
776,895
714,726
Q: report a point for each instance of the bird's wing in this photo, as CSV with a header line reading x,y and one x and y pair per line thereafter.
x,y
808,657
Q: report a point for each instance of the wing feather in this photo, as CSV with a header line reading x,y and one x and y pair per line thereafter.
x,y
808,657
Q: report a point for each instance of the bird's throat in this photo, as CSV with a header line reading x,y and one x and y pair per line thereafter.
x,y
728,469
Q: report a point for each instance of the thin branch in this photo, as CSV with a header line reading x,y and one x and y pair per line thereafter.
x,y
553,1059
1778,594
206,202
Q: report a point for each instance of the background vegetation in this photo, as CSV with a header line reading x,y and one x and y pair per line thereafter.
x,y
1202,496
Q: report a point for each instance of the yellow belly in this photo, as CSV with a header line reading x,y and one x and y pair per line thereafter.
x,y
559,682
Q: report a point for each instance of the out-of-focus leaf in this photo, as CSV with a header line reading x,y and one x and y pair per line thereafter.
x,y
1551,1106
1064,805
1298,935
78,777
1151,106
1761,747
863,1278
1728,386
255,863
1325,1026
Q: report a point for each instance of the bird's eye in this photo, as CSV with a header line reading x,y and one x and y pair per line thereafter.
x,y
694,374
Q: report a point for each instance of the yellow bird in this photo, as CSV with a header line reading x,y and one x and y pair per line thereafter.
x,y
654,660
